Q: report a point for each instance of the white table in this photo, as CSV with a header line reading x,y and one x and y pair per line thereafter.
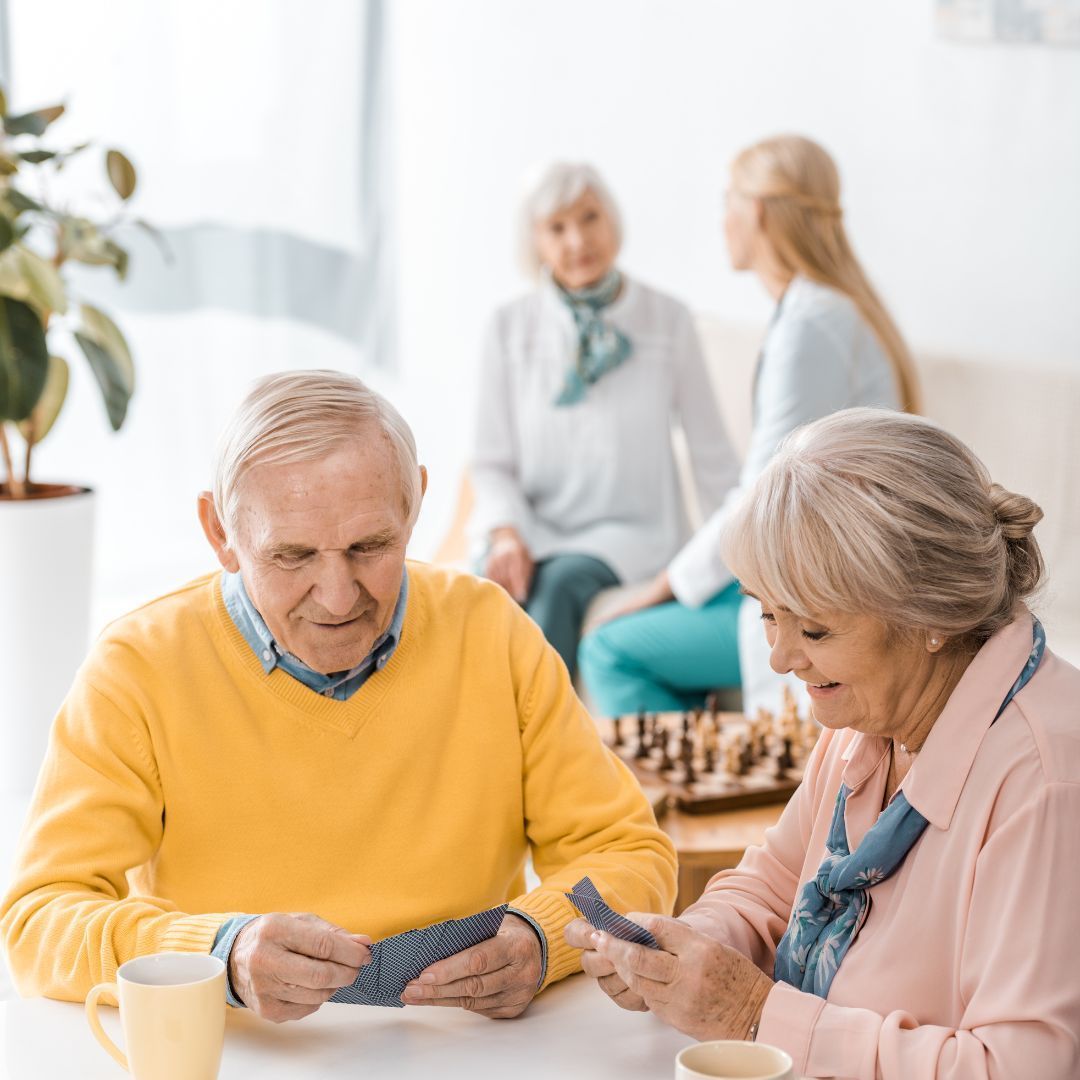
x,y
571,1030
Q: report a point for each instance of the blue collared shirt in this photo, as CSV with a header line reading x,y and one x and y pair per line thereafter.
x,y
340,685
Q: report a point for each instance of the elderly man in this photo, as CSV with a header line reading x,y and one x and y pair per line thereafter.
x,y
323,727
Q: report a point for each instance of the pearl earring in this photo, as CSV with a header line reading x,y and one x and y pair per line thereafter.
x,y
934,641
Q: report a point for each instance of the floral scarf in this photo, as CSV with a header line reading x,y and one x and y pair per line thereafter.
x,y
601,347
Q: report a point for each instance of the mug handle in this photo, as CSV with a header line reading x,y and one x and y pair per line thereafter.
x,y
92,1000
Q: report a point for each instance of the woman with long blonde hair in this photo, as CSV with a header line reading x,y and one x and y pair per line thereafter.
x,y
831,345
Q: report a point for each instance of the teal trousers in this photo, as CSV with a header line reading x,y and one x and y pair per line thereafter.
x,y
665,658
561,589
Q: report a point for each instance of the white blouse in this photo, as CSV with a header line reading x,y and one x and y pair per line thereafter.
x,y
819,356
597,477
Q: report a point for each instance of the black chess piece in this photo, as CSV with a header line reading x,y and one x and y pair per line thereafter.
x,y
685,724
710,757
616,724
784,760
689,776
666,762
642,750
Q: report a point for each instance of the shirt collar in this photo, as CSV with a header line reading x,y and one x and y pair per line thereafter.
x,y
257,634
936,780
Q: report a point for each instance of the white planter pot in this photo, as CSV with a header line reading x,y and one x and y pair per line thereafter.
x,y
46,551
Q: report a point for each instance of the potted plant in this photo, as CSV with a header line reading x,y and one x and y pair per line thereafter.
x,y
46,529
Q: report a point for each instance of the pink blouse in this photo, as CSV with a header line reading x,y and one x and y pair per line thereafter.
x,y
968,964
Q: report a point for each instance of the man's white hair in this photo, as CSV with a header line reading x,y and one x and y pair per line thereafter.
x,y
304,416
550,189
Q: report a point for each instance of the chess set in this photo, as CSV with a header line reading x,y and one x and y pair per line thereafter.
x,y
709,761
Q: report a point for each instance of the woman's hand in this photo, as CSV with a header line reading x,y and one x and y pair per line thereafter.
x,y
657,591
509,563
580,935
698,985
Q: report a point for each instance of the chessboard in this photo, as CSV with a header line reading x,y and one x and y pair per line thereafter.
x,y
710,761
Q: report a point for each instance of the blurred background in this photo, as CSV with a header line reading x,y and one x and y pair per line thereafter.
x,y
336,182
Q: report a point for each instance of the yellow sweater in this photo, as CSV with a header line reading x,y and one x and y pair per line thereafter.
x,y
183,784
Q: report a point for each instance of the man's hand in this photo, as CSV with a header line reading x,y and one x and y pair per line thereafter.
x,y
509,563
580,935
283,967
497,978
697,984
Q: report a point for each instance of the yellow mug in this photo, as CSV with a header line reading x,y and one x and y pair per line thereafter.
x,y
733,1060
172,1010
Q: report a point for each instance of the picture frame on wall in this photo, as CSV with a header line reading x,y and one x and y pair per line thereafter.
x,y
1040,22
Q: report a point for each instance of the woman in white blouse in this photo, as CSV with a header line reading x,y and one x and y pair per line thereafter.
x,y
831,345
581,383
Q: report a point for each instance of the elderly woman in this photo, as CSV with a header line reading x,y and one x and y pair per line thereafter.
x,y
915,912
831,345
581,383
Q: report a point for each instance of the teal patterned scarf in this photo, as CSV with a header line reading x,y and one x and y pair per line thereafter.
x,y
831,907
601,348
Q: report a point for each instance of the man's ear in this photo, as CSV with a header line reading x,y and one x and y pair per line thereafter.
x,y
215,533
423,481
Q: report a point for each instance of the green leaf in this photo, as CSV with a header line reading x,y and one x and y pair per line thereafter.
x,y
36,157
41,420
26,276
8,165
121,173
119,258
24,360
7,232
110,378
47,290
81,240
3,102
18,201
33,123
100,329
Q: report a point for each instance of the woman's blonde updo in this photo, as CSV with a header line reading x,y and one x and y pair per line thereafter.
x,y
880,513
798,185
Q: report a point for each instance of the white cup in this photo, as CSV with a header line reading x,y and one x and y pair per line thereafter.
x,y
732,1060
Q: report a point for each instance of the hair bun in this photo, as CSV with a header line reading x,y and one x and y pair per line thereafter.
x,y
1016,514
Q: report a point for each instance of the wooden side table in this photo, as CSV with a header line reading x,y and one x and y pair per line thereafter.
x,y
708,843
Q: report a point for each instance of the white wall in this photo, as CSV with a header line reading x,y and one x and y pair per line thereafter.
x,y
961,163
961,166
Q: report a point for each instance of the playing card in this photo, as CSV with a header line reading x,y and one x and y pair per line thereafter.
x,y
398,960
587,899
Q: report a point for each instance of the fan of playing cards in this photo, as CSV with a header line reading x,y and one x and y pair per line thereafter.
x,y
398,960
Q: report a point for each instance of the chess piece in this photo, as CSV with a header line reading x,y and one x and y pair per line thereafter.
x,y
657,732
616,723
689,776
731,759
642,750
712,706
709,761
666,762
746,756
783,760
